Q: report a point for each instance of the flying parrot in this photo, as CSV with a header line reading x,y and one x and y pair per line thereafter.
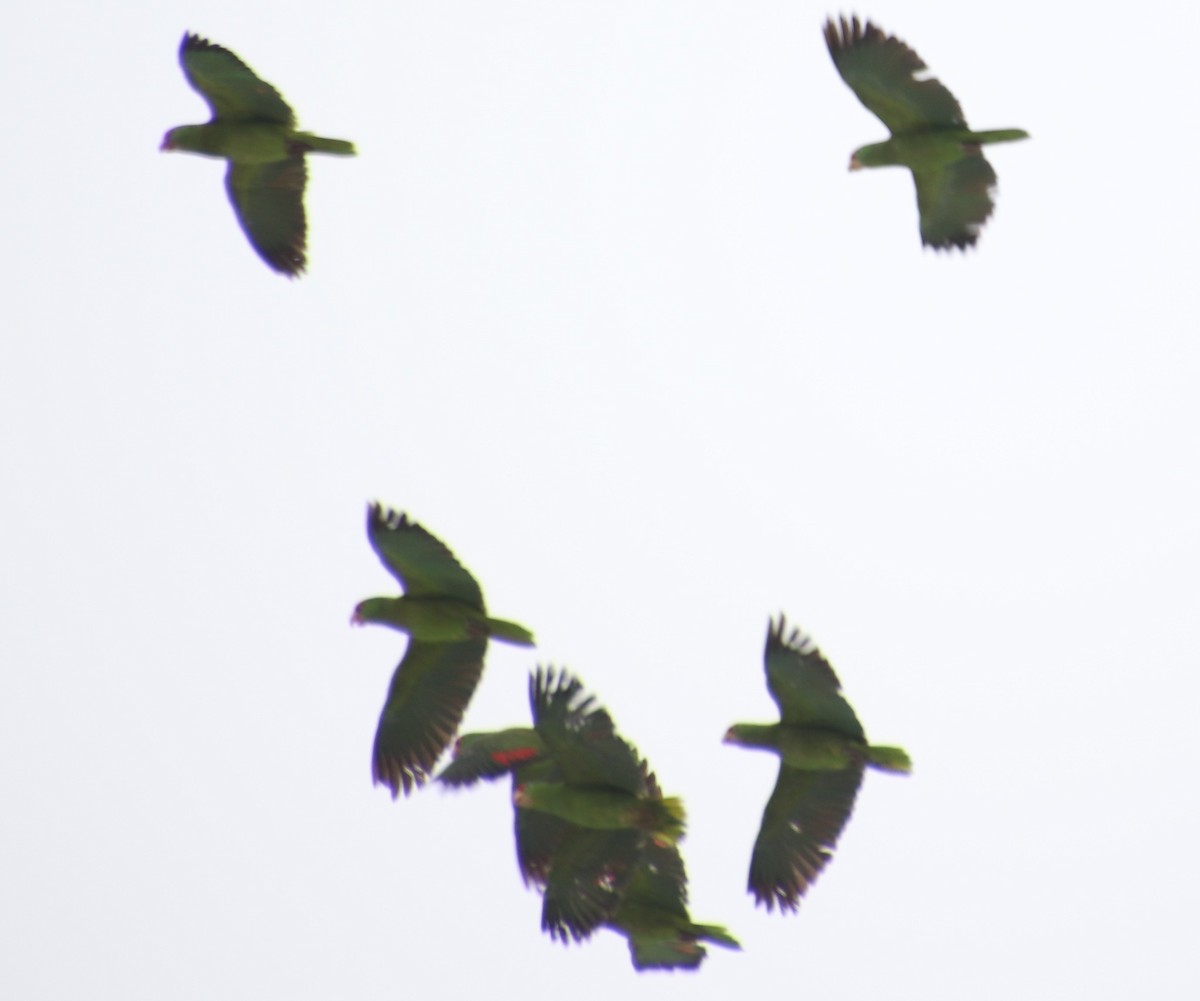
x,y
823,753
929,133
610,875
580,872
606,785
653,915
254,129
443,614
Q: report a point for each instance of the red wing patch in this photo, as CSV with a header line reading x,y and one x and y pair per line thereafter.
x,y
515,756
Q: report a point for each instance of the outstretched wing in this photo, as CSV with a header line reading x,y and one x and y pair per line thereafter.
x,y
421,562
800,827
538,834
880,70
580,736
487,756
653,915
229,86
660,880
586,879
425,704
955,199
269,201
803,684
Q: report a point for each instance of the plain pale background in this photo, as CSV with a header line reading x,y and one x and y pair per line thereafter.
x,y
599,305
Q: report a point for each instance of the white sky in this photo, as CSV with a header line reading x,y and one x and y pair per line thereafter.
x,y
598,304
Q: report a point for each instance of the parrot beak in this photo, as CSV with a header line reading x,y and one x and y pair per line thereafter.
x,y
854,164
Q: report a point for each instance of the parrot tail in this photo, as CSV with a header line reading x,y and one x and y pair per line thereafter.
x,y
510,632
670,824
889,759
715,934
320,145
999,136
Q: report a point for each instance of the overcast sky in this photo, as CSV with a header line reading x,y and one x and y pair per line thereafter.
x,y
599,304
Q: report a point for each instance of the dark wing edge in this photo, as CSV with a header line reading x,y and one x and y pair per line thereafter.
x,y
426,700
268,200
231,89
956,200
800,828
804,684
488,756
432,570
586,879
881,70
580,734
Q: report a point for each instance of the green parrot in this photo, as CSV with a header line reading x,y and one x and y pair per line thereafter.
x,y
605,808
583,869
606,785
581,872
443,614
519,753
823,753
253,128
653,915
929,133
488,756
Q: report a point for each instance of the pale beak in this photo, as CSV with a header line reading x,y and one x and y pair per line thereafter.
x,y
854,164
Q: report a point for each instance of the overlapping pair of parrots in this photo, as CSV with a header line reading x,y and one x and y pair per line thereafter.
x,y
254,129
593,830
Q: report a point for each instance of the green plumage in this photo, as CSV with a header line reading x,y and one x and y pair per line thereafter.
x,y
443,613
604,792
823,752
606,785
518,752
653,915
490,755
584,877
595,865
604,808
254,129
929,133
581,871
